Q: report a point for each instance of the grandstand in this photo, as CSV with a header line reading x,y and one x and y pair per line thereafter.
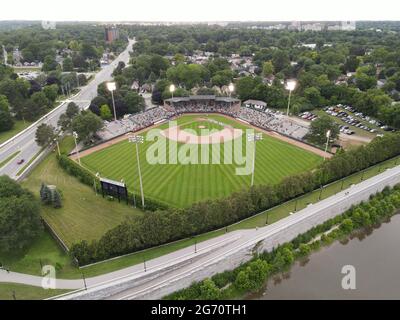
x,y
206,103
266,119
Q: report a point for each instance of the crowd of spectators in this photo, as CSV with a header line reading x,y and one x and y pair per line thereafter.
x,y
135,122
266,119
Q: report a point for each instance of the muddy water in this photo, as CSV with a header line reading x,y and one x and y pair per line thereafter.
x,y
374,254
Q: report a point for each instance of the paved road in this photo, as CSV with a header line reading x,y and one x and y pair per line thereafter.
x,y
184,263
25,143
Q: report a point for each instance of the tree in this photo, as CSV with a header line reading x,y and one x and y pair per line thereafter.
x,y
56,199
45,135
88,51
6,120
313,95
72,110
49,64
45,194
245,86
364,81
280,60
253,276
134,102
188,75
209,291
20,220
36,106
268,69
371,101
319,129
68,65
86,125
105,112
51,92
346,226
304,250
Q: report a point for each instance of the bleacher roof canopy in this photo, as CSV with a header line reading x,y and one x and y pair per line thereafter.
x,y
202,97
255,102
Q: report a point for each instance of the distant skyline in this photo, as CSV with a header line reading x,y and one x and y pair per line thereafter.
x,y
200,11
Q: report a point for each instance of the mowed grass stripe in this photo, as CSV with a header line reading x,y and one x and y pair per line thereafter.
x,y
181,185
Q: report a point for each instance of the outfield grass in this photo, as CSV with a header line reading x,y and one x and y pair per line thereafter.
x,y
11,291
181,185
19,125
84,215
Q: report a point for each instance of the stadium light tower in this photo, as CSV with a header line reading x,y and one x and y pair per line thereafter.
x,y
231,88
58,146
136,140
76,146
111,86
172,90
290,85
254,137
328,135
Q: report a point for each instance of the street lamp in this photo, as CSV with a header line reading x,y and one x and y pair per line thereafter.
x,y
136,140
254,137
328,135
231,88
111,86
58,146
290,85
94,182
76,146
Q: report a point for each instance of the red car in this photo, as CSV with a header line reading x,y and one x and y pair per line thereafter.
x,y
21,161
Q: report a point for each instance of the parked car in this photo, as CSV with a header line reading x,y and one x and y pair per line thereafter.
x,y
20,161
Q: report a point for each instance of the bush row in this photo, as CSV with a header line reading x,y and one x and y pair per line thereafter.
x,y
162,226
251,276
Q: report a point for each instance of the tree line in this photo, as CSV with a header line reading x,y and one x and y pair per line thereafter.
x,y
163,226
20,221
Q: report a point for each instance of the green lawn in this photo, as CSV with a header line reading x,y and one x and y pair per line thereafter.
x,y
181,185
11,291
43,251
84,215
19,125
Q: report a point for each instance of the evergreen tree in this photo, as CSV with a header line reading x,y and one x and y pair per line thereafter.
x,y
56,201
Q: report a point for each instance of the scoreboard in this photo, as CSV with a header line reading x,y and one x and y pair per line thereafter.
x,y
114,188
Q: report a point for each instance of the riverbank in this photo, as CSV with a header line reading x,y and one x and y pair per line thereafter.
x,y
374,255
252,276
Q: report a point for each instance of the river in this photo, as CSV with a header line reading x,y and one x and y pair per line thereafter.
x,y
375,256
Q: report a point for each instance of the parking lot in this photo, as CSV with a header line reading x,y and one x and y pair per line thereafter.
x,y
350,121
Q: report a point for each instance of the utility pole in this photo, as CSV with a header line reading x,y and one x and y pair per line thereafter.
x,y
84,280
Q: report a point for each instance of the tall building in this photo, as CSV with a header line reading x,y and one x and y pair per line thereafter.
x,y
111,33
48,25
348,25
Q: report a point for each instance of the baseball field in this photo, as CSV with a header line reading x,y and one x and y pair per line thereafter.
x,y
181,184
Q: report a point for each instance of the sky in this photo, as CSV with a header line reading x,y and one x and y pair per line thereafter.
x,y
200,10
